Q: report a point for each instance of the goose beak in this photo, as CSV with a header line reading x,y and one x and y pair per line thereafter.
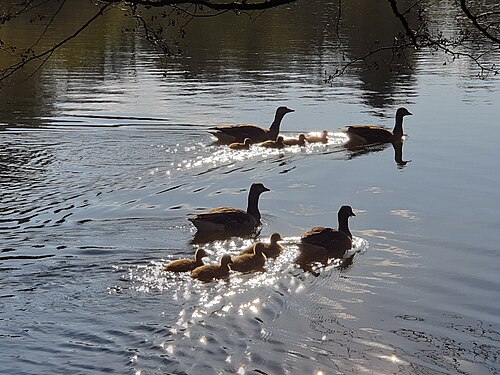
x,y
290,110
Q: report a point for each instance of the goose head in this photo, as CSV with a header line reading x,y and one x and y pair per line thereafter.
x,y
346,212
402,112
257,189
281,111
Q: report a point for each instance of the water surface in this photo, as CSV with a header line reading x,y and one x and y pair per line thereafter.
x,y
103,158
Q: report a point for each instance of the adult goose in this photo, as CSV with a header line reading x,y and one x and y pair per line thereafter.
x,y
227,134
323,138
278,143
271,250
334,242
378,134
250,262
301,141
185,265
228,219
245,145
213,271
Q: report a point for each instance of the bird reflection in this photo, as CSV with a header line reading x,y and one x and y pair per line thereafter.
x,y
206,237
312,258
356,149
398,154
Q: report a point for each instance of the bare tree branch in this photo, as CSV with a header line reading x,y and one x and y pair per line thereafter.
x,y
474,19
7,72
404,22
235,5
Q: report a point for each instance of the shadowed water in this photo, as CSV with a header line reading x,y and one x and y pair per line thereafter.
x,y
101,163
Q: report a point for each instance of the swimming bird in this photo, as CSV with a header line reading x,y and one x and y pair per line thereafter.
x,y
228,219
323,138
271,250
378,134
213,271
241,146
278,143
250,262
185,265
227,134
301,141
335,242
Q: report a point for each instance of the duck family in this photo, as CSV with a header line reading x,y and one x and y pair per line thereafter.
x,y
227,134
317,244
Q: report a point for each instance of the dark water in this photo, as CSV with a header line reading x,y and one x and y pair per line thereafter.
x,y
103,156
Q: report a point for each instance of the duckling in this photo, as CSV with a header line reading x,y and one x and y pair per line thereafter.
x,y
185,265
278,143
237,133
250,262
323,138
378,134
241,146
271,250
335,242
228,219
213,271
301,141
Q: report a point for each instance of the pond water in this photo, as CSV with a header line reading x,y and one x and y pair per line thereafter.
x,y
104,154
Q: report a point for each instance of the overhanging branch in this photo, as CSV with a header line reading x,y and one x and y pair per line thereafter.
x,y
234,5
475,22
7,72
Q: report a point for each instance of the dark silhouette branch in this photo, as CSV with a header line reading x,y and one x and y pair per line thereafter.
x,y
7,72
404,22
48,24
394,49
235,5
416,33
475,22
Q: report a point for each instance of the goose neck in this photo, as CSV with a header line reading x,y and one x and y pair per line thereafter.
x,y
344,225
253,205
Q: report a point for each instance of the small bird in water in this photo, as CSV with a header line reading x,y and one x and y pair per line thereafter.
x,y
271,250
278,143
185,265
250,262
241,146
323,138
301,141
213,271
